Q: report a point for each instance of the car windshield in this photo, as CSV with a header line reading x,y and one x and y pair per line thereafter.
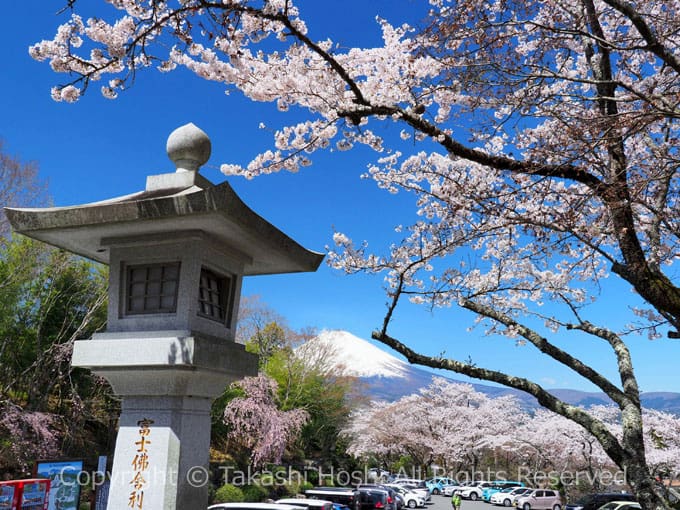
x,y
608,506
583,500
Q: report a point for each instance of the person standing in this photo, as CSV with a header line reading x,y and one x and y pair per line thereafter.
x,y
455,501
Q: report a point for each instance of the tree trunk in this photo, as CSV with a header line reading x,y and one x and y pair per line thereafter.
x,y
641,481
634,462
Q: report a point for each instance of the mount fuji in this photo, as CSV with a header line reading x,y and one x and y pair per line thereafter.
x,y
389,378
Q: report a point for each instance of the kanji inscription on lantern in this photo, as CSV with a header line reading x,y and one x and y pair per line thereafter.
x,y
140,464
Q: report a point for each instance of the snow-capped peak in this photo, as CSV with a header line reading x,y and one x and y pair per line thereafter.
x,y
350,355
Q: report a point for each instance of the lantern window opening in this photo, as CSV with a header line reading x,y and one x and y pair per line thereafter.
x,y
152,288
215,296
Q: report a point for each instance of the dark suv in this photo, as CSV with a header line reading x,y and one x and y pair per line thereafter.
x,y
374,499
393,500
345,496
595,501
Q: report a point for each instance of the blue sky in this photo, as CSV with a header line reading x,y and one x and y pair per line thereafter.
x,y
97,149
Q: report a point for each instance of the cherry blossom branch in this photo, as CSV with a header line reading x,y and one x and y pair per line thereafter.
x,y
543,345
474,155
302,37
653,43
614,197
624,360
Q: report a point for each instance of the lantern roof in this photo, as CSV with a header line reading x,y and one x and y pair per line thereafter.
x,y
183,201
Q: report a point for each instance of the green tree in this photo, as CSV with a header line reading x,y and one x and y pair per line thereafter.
x,y
48,299
267,342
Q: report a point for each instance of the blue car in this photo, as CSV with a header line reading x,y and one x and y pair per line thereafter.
x,y
498,485
436,485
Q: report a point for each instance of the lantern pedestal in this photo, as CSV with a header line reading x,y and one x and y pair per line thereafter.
x,y
167,384
159,460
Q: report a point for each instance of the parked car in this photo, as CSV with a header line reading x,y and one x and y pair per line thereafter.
x,y
621,505
423,491
393,502
436,484
254,506
308,503
410,481
508,496
449,486
450,489
412,499
473,492
346,496
595,501
373,499
497,486
540,499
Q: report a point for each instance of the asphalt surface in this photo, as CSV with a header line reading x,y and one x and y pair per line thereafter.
x,y
444,503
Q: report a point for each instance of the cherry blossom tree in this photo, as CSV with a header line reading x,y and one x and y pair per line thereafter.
x,y
444,423
662,442
544,156
457,427
364,434
257,424
32,435
370,432
467,423
550,443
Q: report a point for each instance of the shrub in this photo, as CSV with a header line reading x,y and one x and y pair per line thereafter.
x,y
254,493
312,476
229,493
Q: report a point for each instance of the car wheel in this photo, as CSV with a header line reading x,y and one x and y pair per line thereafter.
x,y
526,506
436,492
473,496
557,507
506,502
412,503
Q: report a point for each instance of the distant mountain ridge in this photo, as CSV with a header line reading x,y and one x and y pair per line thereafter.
x,y
389,378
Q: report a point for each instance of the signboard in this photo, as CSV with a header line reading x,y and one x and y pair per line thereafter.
x,y
24,494
102,495
65,489
101,465
7,493
34,494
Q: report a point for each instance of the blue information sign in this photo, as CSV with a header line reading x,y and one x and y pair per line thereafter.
x,y
65,489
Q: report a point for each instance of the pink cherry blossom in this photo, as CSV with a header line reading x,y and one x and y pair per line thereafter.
x,y
255,421
543,157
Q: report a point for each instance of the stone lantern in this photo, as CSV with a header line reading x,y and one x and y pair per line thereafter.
x,y
177,253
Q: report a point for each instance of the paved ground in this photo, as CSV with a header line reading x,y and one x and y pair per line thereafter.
x,y
444,503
